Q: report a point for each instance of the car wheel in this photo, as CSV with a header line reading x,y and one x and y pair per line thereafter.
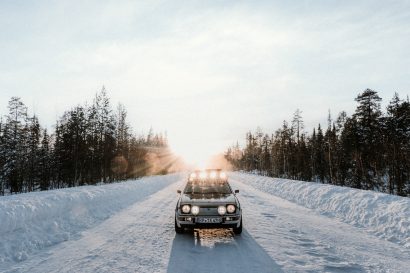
x,y
178,230
238,230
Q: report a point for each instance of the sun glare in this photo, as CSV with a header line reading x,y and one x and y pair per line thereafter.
x,y
200,156
194,156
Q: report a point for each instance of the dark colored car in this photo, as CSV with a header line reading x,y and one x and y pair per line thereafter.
x,y
208,202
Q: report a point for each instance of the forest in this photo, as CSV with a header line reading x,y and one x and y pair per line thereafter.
x,y
368,150
89,144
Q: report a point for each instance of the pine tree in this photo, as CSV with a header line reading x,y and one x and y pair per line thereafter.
x,y
90,144
2,157
319,155
331,147
350,142
44,162
368,116
398,145
122,136
343,161
265,155
360,151
299,151
33,142
14,138
297,124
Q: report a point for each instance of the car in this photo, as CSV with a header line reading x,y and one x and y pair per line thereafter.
x,y
208,201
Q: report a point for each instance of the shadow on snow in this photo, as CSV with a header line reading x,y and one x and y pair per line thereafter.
x,y
218,250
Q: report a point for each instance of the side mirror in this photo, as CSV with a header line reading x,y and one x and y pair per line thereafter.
x,y
236,191
178,191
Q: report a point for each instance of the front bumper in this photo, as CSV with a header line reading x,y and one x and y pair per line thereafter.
x,y
190,221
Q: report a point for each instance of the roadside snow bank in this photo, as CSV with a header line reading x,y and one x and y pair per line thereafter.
x,y
33,221
384,215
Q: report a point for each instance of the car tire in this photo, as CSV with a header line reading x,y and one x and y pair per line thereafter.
x,y
178,230
238,230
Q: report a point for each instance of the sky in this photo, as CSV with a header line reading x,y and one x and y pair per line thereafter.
x,y
206,72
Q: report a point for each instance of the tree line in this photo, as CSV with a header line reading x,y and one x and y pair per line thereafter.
x,y
367,150
89,144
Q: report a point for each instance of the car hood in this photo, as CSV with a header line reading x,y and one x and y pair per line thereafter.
x,y
208,198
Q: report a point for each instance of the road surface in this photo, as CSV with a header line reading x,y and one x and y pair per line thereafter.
x,y
279,236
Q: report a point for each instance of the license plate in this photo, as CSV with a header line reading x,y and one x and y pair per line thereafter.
x,y
209,220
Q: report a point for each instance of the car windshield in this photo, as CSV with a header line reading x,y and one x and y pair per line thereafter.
x,y
207,187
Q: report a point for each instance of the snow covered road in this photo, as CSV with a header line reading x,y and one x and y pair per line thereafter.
x,y
301,240
279,236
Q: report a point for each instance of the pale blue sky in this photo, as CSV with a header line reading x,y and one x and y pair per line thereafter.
x,y
205,71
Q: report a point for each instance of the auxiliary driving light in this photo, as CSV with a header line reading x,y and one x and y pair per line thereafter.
x,y
222,175
193,175
230,208
212,175
202,175
221,210
195,210
186,208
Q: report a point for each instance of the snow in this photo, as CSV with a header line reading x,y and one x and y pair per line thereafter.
x,y
129,227
301,240
30,222
386,216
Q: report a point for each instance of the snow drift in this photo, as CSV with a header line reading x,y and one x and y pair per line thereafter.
x,y
383,215
32,221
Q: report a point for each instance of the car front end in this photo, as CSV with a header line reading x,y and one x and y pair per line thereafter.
x,y
207,215
208,202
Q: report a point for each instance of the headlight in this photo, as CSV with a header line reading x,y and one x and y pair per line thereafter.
x,y
186,208
212,175
202,175
230,208
193,175
195,210
222,175
221,210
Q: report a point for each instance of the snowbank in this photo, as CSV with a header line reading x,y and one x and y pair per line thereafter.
x,y
384,215
33,221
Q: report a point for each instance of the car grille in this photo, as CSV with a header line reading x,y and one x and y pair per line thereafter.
x,y
208,211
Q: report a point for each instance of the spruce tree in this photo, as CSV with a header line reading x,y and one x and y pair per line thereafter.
x,y
14,149
368,115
